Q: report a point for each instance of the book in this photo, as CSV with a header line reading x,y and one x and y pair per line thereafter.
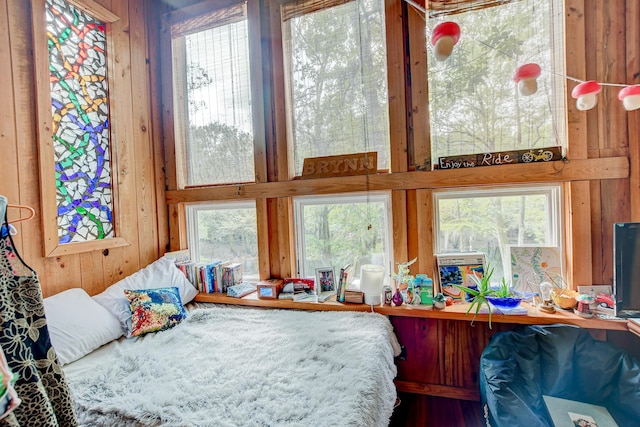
x,y
305,297
342,282
241,289
571,413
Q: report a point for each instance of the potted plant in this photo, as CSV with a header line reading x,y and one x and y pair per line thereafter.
x,y
483,294
477,295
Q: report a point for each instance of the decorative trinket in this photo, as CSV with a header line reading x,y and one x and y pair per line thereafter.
x,y
397,298
439,302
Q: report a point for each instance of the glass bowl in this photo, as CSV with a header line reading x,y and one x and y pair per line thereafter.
x,y
504,302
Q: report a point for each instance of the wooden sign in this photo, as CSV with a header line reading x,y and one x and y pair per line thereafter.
x,y
345,165
500,158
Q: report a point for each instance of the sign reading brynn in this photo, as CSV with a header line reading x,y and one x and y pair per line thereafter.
x,y
344,165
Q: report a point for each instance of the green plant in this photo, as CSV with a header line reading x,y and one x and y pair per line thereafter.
x,y
483,290
504,290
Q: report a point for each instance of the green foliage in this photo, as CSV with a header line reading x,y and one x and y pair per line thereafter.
x,y
490,224
474,104
339,82
485,290
218,153
229,234
337,234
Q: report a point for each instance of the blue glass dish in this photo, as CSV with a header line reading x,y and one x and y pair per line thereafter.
x,y
504,302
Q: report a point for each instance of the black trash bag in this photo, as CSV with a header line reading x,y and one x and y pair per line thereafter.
x,y
520,366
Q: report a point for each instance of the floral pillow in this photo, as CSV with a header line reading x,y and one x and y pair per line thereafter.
x,y
154,310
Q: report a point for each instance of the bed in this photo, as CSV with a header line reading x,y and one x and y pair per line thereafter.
x,y
233,366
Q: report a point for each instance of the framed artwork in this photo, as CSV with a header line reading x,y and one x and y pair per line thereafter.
x,y
532,265
459,269
325,279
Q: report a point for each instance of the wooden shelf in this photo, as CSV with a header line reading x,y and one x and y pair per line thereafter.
x,y
455,312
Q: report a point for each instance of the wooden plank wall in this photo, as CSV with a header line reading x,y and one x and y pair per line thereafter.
x,y
602,44
136,116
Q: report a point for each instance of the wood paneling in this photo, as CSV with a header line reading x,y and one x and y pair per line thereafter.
x,y
136,149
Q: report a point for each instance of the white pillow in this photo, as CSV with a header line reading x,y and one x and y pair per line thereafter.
x,y
162,273
78,325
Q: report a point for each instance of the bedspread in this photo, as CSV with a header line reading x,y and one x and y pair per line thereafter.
x,y
243,367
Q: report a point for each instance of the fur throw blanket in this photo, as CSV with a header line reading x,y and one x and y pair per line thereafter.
x,y
244,367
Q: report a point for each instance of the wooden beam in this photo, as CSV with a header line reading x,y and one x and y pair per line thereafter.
x,y
399,226
559,171
95,10
633,117
396,84
419,126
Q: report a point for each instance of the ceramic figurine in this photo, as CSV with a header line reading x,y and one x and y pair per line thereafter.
x,y
439,301
583,309
415,300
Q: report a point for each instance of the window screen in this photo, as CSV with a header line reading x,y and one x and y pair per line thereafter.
x,y
335,55
474,104
212,98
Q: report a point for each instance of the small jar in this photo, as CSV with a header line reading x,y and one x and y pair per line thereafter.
x,y
387,291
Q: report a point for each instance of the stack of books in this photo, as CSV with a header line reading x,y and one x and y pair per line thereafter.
x,y
215,276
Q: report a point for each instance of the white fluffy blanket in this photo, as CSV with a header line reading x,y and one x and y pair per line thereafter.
x,y
244,367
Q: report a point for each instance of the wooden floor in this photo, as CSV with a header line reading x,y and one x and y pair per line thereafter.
x,y
428,411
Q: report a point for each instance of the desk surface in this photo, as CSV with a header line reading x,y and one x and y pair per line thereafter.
x,y
454,312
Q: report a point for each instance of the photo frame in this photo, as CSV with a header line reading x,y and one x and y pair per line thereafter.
x,y
325,280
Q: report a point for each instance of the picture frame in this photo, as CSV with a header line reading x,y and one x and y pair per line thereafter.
x,y
325,280
532,265
459,269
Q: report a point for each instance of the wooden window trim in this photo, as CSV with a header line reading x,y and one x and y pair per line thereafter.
x,y
51,245
577,174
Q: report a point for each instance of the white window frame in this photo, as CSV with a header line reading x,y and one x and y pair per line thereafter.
x,y
553,193
191,218
361,197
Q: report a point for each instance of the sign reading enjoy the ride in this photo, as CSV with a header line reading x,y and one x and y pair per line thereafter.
x,y
500,158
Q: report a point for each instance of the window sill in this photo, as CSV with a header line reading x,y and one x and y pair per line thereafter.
x,y
455,312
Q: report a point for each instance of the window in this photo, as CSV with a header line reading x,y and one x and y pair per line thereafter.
x,y
490,220
81,131
475,105
333,231
226,232
336,79
212,98
75,110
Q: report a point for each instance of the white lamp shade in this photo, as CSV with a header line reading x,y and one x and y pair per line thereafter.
x,y
371,282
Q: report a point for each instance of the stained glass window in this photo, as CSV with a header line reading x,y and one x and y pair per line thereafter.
x,y
80,107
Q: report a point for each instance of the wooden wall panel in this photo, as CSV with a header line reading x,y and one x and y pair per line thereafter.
x,y
9,169
602,43
136,149
633,123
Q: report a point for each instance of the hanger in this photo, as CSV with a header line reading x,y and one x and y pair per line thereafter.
x,y
32,212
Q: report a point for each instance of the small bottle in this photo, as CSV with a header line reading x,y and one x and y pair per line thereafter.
x,y
388,294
